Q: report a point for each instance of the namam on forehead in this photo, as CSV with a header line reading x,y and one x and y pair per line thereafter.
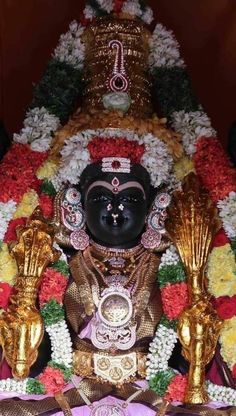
x,y
115,187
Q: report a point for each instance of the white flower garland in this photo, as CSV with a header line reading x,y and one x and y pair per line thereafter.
x,y
227,212
39,125
7,210
106,5
89,13
221,394
164,49
132,7
71,48
160,350
75,156
192,125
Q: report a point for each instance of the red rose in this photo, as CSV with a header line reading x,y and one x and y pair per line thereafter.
x,y
220,239
5,293
226,307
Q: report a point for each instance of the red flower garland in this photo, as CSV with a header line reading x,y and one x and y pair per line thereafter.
x,y
46,205
174,299
53,286
115,147
52,379
11,230
17,172
225,306
176,389
214,168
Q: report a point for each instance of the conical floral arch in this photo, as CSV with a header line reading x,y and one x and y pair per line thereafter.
x,y
30,177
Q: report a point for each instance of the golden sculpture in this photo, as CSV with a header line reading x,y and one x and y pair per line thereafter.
x,y
21,326
192,225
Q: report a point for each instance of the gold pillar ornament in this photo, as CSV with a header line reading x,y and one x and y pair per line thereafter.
x,y
193,222
21,325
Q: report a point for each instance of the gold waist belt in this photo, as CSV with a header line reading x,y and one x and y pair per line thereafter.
x,y
113,369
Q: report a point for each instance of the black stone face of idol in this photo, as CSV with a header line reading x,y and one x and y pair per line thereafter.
x,y
116,219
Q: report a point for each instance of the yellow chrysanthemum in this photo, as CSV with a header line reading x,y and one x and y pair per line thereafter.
x,y
8,267
222,271
27,205
228,341
183,167
47,170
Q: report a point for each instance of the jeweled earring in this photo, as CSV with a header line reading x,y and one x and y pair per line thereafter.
x,y
151,238
73,218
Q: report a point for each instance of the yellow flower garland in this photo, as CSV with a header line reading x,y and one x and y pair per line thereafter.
x,y
183,167
228,341
27,205
8,267
222,271
47,170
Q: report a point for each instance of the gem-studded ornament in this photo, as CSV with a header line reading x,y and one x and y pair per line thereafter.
x,y
79,240
151,238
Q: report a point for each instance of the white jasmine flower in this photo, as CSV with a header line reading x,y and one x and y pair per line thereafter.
x,y
192,125
71,48
227,212
89,12
132,7
7,210
164,49
39,125
147,16
106,5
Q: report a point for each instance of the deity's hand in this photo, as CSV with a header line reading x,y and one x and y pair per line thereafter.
x,y
21,332
198,331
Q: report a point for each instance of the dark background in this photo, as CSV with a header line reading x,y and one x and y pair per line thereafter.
x,y
206,30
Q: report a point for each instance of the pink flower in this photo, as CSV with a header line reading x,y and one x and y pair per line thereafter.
x,y
52,379
53,286
176,389
5,293
174,299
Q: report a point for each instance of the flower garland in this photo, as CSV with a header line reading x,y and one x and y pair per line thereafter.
x,y
134,8
165,381
214,169
58,371
76,156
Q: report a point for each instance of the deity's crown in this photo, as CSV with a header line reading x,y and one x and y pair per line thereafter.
x,y
116,121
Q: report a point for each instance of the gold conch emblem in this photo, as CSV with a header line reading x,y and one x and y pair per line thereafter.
x,y
193,222
21,326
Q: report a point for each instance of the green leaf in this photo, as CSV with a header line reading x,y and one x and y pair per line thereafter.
x,y
173,90
48,188
62,267
169,323
173,273
58,89
35,387
52,312
161,381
